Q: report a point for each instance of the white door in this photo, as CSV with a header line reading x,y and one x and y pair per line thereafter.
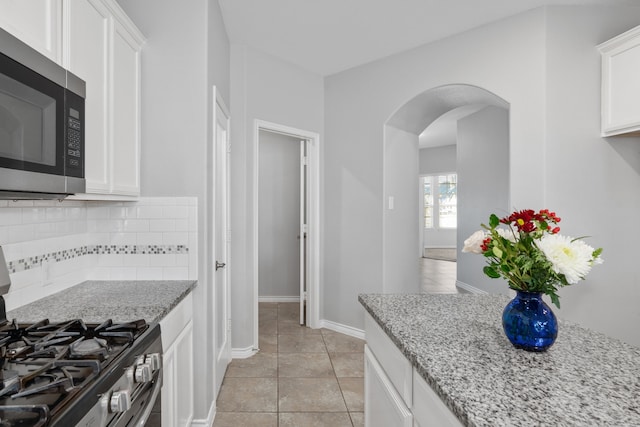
x,y
220,262
303,231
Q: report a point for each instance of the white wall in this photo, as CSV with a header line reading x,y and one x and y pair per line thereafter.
x,y
483,186
505,58
187,52
439,160
592,182
262,88
545,65
279,211
401,241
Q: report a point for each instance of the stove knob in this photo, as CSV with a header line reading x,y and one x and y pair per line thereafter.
x,y
120,401
153,360
143,374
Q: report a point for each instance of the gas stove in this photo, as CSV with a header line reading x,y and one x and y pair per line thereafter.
x,y
76,374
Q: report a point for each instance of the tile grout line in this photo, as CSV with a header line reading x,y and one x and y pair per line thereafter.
x,y
336,377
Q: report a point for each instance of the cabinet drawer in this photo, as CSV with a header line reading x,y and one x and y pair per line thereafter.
x,y
393,362
383,406
428,409
173,323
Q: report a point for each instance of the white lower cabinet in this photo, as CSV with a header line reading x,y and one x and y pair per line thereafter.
x,y
394,392
177,360
383,406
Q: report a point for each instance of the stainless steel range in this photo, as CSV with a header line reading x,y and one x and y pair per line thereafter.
x,y
71,373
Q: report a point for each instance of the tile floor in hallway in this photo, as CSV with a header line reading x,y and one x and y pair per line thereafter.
x,y
301,377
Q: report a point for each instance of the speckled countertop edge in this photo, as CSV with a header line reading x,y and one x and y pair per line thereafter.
x,y
609,394
119,300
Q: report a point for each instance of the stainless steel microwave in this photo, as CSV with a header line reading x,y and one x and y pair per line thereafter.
x,y
42,122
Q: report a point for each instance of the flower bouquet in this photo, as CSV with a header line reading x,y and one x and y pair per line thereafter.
x,y
527,250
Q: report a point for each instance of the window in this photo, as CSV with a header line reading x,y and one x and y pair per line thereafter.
x,y
440,201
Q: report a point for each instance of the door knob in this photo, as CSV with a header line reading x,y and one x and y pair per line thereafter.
x,y
219,265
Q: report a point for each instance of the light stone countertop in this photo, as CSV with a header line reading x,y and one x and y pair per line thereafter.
x,y
97,301
457,344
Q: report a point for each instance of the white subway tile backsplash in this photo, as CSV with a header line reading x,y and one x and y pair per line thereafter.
x,y
33,215
10,216
162,225
148,212
175,273
118,212
51,245
22,233
136,225
175,238
122,238
181,225
149,238
124,273
149,273
163,260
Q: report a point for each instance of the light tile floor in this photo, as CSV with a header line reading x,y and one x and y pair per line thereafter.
x,y
301,377
305,377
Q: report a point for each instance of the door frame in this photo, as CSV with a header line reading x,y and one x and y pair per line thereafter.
x,y
313,219
219,104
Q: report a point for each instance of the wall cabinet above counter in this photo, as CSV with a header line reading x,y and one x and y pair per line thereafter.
x,y
95,40
621,84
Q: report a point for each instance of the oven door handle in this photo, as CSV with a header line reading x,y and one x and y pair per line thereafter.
x,y
151,403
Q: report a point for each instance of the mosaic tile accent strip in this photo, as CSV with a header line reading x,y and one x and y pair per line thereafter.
x,y
67,254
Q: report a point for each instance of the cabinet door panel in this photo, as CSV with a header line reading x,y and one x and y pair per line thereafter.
x,y
383,406
87,35
428,409
168,415
38,23
126,131
184,377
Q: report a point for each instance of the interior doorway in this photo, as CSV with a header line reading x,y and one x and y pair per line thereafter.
x,y
219,268
286,224
479,120
282,223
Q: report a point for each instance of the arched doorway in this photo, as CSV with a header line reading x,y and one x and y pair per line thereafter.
x,y
482,162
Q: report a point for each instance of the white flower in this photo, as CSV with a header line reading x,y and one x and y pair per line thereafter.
x,y
507,234
574,258
474,242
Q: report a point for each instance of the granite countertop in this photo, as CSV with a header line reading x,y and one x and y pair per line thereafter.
x,y
457,344
96,301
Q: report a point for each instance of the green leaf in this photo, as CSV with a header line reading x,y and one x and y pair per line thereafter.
x,y
497,252
555,299
494,221
489,271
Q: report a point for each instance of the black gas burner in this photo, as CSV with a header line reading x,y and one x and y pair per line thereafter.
x,y
46,367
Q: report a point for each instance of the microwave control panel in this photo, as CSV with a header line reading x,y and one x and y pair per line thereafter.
x,y
74,143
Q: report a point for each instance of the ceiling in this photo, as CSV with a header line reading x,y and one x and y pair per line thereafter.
x,y
329,36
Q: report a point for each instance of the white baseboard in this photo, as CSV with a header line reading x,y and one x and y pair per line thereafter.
x,y
279,299
210,417
440,247
471,289
343,329
243,353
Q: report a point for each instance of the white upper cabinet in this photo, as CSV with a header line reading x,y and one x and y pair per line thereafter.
x,y
87,34
125,168
621,84
38,23
102,46
95,40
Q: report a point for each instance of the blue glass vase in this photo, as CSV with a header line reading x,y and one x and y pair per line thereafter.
x,y
529,323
